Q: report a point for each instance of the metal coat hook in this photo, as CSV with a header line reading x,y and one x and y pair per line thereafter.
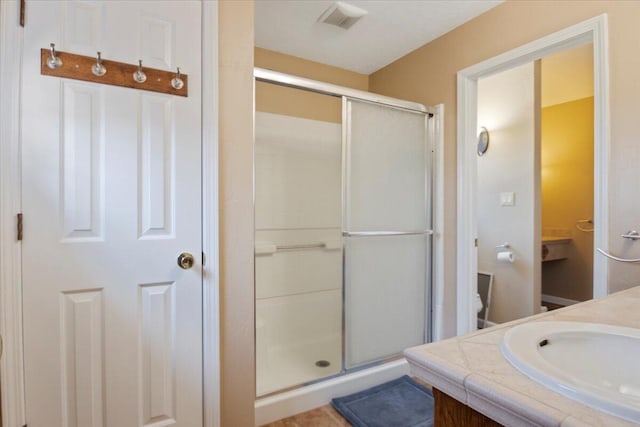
x,y
139,76
98,69
177,83
54,62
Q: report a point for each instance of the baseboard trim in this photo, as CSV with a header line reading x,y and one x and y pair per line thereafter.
x,y
558,300
288,403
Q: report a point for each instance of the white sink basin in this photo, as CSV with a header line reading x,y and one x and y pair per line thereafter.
x,y
595,364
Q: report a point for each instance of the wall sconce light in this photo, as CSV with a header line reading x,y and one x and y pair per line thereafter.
x,y
483,141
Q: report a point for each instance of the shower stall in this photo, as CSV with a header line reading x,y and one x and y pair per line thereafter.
x,y
343,231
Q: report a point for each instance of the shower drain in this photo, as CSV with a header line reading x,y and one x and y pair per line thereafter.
x,y
323,363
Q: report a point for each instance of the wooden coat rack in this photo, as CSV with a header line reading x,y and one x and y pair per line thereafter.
x,y
86,68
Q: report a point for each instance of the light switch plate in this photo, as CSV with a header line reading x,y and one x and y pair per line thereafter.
x,y
508,198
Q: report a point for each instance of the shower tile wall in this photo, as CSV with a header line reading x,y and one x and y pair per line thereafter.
x,y
298,291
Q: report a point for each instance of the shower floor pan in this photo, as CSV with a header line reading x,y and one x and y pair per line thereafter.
x,y
289,366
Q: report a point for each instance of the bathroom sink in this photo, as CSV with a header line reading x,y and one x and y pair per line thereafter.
x,y
595,364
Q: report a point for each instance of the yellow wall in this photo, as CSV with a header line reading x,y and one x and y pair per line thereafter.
x,y
567,194
428,75
235,57
271,98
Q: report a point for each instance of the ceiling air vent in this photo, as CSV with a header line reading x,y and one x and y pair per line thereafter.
x,y
342,15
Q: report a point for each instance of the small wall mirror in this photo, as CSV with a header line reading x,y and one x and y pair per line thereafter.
x,y
483,141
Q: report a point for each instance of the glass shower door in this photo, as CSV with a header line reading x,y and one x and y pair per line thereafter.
x,y
386,230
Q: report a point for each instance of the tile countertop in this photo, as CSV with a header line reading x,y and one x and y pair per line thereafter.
x,y
471,369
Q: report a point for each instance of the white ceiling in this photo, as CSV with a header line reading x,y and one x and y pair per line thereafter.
x,y
390,30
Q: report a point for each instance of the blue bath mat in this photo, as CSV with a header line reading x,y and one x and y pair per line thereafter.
x,y
398,403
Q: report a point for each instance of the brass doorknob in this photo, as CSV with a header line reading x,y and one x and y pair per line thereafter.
x,y
185,260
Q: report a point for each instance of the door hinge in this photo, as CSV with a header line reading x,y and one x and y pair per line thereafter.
x,y
475,242
19,226
203,259
23,6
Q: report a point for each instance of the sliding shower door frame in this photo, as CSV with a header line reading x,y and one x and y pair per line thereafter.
x,y
427,232
346,94
282,79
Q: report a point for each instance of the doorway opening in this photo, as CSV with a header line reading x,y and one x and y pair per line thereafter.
x,y
591,31
534,184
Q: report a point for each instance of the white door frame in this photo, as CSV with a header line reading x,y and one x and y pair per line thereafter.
x,y
437,264
210,219
11,366
593,30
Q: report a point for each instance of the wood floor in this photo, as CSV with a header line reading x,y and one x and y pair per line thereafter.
x,y
325,416
551,306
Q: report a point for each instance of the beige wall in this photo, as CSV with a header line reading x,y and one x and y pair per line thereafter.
x,y
428,75
567,195
236,212
236,150
275,99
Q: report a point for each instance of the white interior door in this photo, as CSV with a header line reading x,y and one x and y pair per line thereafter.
x,y
111,197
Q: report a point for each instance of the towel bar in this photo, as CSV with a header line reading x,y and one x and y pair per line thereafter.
x,y
615,258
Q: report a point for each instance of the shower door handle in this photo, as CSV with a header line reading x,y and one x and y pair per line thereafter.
x,y
386,233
